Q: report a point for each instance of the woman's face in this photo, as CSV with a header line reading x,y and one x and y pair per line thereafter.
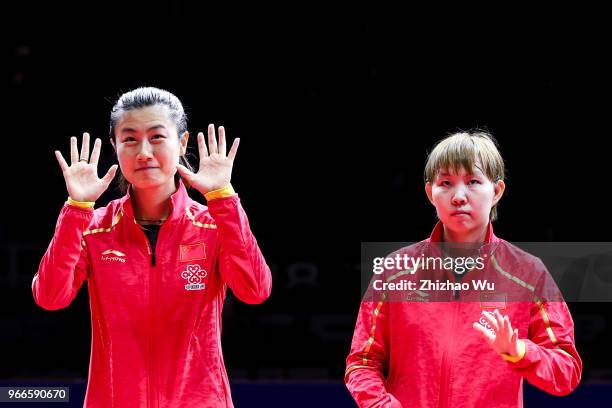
x,y
464,200
148,147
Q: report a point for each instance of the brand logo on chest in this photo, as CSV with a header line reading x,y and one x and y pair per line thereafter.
x,y
194,275
111,255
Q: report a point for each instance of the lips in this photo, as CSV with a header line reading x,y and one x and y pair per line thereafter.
x,y
146,168
460,213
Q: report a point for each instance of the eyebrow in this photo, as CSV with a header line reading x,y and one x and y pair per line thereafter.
x,y
477,172
128,129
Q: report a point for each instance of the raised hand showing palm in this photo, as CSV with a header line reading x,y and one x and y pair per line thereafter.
x,y
81,176
215,169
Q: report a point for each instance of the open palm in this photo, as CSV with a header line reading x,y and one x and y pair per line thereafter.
x,y
81,176
215,170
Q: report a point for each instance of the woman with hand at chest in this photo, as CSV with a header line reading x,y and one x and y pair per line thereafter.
x,y
469,347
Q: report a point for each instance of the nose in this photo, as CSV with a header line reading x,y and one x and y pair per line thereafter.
x,y
145,152
459,195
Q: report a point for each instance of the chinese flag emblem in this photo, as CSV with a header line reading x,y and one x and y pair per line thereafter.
x,y
192,252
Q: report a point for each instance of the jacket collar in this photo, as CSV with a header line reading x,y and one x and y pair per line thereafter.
x,y
178,202
438,233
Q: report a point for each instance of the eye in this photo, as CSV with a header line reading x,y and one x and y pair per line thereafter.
x,y
475,181
444,183
129,139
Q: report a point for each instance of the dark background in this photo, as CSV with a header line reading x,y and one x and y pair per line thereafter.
x,y
336,114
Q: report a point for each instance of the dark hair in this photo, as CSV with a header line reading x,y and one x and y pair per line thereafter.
x,y
142,98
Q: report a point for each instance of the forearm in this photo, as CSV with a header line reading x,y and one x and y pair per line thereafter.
x,y
57,280
241,262
365,365
556,370
367,387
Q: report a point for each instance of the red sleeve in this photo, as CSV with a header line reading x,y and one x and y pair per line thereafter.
x,y
64,265
241,262
551,361
368,359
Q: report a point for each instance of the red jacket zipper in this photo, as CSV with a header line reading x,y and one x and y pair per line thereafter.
x,y
445,371
444,379
152,400
155,314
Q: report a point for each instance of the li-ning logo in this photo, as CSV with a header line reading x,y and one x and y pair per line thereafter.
x,y
116,256
194,275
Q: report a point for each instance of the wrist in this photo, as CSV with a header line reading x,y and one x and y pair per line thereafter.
x,y
80,204
521,350
224,191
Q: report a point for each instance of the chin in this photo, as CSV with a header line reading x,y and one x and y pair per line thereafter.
x,y
460,227
148,183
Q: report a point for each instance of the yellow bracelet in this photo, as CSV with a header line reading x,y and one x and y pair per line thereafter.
x,y
226,191
81,204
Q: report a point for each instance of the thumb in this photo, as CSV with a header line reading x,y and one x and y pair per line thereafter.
x,y
110,174
184,171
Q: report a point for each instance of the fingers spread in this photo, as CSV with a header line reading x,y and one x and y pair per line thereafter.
x,y
184,171
95,153
202,146
110,174
85,148
212,141
222,150
234,149
60,159
74,151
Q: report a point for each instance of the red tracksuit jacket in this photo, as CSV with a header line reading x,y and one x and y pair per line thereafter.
x,y
427,354
156,321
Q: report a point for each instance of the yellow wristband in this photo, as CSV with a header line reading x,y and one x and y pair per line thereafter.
x,y
81,204
521,353
220,193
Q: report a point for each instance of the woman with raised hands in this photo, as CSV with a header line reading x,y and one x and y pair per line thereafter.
x,y
157,262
